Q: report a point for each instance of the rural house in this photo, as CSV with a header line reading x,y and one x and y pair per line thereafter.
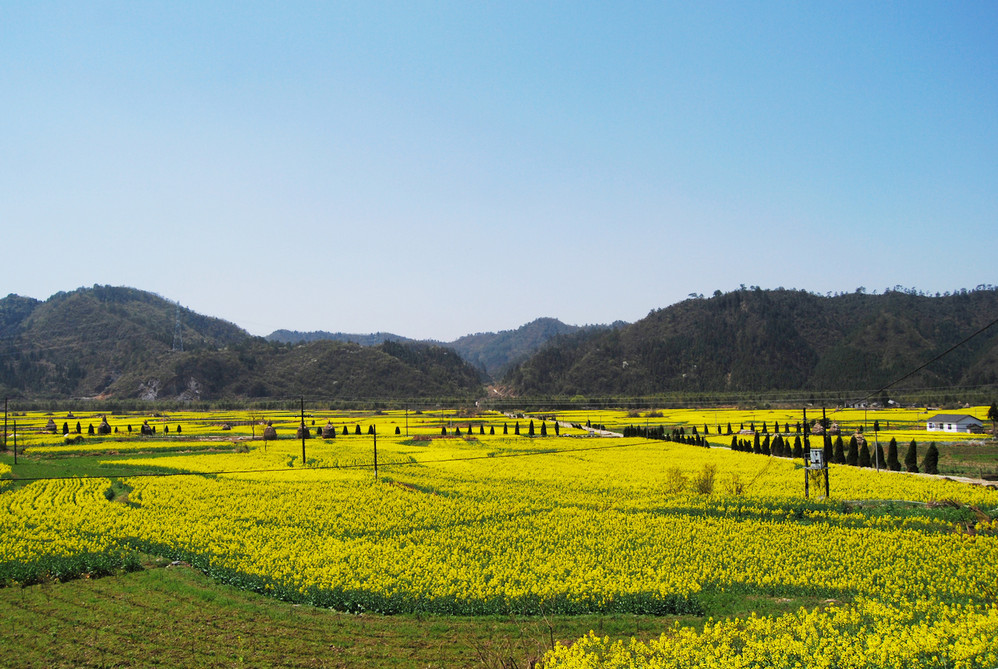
x,y
953,422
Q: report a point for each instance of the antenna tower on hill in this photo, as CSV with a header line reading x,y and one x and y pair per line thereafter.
x,y
178,341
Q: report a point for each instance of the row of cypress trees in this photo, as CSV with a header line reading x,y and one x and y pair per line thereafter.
x,y
858,454
658,432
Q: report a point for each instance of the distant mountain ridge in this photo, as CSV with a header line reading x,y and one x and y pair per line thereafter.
x,y
115,342
373,339
775,339
118,342
493,353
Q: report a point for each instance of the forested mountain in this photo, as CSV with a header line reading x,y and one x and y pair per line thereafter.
x,y
124,343
373,339
495,352
492,353
775,339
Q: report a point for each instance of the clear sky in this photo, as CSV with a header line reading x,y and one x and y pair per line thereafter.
x,y
438,169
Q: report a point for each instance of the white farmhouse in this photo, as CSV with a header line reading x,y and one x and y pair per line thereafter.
x,y
953,422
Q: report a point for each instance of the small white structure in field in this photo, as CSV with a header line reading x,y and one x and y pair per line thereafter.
x,y
953,422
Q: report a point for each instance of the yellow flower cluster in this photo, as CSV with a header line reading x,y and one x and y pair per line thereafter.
x,y
867,633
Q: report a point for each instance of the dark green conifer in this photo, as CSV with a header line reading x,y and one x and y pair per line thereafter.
x,y
930,465
852,457
864,455
892,456
840,456
911,458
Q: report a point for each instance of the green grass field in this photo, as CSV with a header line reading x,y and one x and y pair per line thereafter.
x,y
175,616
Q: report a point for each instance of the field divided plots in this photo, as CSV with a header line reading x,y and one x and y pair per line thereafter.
x,y
467,518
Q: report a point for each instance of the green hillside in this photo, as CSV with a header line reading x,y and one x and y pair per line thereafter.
x,y
753,340
492,353
120,343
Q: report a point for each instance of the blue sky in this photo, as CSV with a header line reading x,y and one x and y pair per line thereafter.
x,y
438,169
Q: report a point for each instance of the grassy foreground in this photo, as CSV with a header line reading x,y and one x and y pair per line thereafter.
x,y
173,615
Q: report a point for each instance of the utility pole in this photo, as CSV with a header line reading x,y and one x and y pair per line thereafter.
x,y
825,420
5,423
374,432
303,431
807,455
876,442
15,442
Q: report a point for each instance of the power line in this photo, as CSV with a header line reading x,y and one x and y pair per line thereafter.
x,y
944,353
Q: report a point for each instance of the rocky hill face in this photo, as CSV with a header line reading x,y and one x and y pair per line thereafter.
x,y
770,340
123,343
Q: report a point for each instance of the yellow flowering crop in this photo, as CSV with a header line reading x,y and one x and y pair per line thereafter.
x,y
495,524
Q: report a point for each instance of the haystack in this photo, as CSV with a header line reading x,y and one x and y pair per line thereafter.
x,y
104,427
328,431
50,426
269,432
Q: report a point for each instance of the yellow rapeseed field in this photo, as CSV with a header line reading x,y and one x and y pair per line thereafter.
x,y
490,522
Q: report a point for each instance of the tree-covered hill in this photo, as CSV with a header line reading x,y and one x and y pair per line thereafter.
x,y
372,339
492,353
775,339
496,352
121,343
